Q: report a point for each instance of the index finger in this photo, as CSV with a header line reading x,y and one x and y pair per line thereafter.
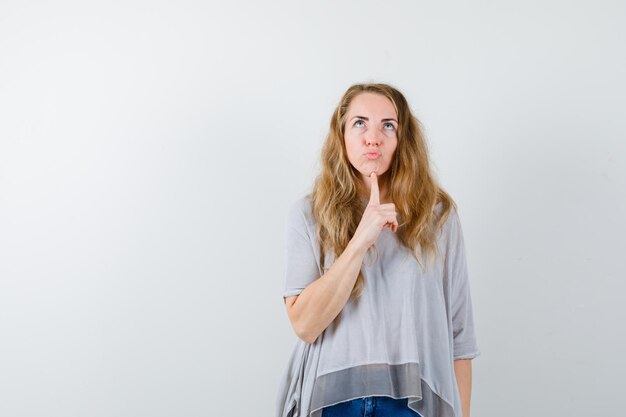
x,y
374,196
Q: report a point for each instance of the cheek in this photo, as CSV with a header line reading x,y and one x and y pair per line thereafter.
x,y
351,148
394,146
392,154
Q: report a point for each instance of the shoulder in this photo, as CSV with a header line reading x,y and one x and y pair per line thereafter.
x,y
301,211
302,206
451,225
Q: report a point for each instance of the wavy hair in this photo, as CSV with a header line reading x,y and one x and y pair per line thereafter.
x,y
337,206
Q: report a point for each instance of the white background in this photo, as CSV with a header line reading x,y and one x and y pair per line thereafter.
x,y
149,151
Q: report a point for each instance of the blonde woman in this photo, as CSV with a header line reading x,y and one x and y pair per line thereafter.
x,y
376,281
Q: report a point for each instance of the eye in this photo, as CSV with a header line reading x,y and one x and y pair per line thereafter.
x,y
391,126
358,121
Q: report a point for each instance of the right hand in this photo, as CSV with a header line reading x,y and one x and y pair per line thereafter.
x,y
375,218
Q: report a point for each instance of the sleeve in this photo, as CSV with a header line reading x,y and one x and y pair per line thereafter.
x,y
300,264
463,332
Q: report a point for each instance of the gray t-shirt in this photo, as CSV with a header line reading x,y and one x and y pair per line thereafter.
x,y
399,339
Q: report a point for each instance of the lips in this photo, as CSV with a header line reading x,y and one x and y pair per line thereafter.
x,y
372,155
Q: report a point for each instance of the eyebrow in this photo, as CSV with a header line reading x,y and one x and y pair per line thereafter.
x,y
382,120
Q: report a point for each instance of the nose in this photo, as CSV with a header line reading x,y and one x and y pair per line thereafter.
x,y
372,138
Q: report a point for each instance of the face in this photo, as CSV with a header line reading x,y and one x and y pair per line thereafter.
x,y
371,134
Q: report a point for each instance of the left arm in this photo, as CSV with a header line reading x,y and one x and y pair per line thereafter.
x,y
465,347
463,372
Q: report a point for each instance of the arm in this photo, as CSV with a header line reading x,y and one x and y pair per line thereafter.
x,y
311,311
463,372
317,305
465,346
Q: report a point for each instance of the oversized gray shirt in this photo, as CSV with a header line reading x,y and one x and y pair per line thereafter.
x,y
399,339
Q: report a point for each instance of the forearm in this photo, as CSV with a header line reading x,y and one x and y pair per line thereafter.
x,y
322,300
463,372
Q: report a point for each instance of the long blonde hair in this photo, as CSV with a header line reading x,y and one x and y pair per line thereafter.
x,y
412,187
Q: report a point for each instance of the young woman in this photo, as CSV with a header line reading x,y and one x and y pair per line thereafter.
x,y
377,286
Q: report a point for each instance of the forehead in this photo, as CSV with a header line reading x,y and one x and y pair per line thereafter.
x,y
371,104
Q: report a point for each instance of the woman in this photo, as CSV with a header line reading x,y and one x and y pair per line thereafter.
x,y
377,286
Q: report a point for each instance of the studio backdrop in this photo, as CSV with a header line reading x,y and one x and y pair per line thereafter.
x,y
150,151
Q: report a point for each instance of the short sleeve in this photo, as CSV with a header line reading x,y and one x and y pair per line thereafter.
x,y
465,345
300,264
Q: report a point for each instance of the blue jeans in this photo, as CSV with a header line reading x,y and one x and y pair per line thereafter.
x,y
371,407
